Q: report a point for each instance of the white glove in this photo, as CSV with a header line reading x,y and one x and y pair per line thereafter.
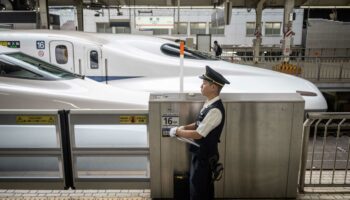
x,y
172,132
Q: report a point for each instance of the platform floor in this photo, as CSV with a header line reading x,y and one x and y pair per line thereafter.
x,y
310,193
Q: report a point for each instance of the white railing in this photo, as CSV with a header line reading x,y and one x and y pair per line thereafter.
x,y
315,69
325,151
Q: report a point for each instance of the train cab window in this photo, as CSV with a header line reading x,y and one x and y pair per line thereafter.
x,y
14,71
61,53
174,50
39,67
93,59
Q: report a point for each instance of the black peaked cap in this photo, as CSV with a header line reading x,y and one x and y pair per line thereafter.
x,y
214,77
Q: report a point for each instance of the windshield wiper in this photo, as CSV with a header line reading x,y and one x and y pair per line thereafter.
x,y
79,76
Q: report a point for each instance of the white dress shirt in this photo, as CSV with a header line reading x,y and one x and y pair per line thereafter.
x,y
211,120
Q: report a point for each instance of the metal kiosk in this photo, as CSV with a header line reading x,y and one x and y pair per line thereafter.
x,y
260,144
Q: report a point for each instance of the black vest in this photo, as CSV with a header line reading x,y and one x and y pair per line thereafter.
x,y
209,144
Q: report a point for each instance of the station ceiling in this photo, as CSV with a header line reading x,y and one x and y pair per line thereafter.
x,y
235,3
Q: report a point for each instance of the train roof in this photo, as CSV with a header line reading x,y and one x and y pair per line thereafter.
x,y
86,37
7,50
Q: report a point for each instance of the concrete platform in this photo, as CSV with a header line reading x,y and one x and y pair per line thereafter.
x,y
310,193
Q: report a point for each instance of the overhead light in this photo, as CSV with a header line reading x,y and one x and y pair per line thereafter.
x,y
145,11
324,7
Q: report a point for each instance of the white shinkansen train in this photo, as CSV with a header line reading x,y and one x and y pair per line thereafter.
x,y
150,64
30,83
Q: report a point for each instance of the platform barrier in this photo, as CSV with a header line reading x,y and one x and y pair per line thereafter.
x,y
109,149
260,145
31,150
313,68
130,149
79,149
325,153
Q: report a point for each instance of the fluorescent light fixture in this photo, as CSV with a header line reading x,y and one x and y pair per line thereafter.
x,y
325,7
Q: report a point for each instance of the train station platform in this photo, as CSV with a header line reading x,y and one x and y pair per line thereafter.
x,y
310,193
96,160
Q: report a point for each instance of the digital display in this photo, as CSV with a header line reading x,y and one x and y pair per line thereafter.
x,y
11,44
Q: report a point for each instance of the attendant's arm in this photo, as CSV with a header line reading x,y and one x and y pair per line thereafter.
x,y
190,127
188,133
210,121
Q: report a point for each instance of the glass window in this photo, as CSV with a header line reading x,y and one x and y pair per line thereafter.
x,y
112,166
93,59
43,68
182,28
273,28
160,31
30,167
32,136
250,28
6,26
198,28
103,28
174,50
216,30
12,70
120,29
61,53
110,136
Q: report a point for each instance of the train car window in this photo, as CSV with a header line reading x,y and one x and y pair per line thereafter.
x,y
61,53
44,67
12,70
93,59
174,50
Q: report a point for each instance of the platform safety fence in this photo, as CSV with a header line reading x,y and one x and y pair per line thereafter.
x,y
315,69
84,149
78,149
325,151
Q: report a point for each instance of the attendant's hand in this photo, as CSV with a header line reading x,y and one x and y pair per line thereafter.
x,y
172,132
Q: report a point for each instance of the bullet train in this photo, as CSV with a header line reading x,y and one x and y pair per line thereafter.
x,y
29,83
145,63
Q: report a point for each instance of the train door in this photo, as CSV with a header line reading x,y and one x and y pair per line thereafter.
x,y
95,67
62,54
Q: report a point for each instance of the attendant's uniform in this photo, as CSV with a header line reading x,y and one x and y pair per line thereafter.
x,y
209,125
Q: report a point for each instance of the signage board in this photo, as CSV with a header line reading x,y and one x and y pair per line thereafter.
x,y
154,22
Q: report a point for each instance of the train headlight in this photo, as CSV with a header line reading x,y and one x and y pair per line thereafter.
x,y
306,93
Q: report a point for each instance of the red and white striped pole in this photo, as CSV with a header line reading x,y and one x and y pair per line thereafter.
x,y
257,33
287,43
287,28
182,51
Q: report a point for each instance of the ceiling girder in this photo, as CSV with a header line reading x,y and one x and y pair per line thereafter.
x,y
235,3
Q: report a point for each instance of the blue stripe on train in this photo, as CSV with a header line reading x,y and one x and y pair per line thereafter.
x,y
111,78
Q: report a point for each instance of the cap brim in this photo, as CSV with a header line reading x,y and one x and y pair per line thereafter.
x,y
205,78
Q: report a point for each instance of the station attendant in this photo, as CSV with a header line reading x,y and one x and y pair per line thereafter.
x,y
206,132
